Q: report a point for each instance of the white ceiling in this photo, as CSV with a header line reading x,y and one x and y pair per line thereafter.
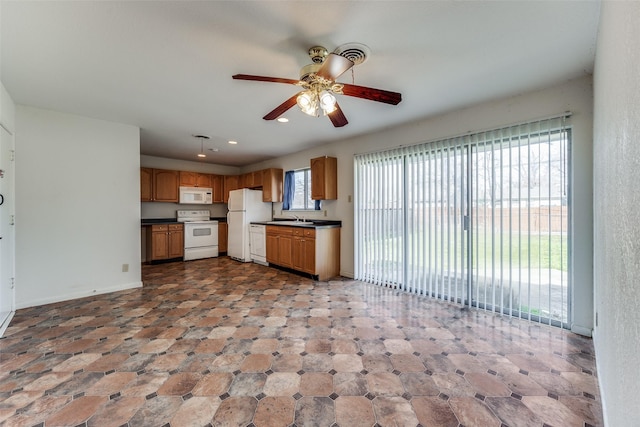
x,y
166,66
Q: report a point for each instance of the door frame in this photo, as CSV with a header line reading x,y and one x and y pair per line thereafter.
x,y
8,229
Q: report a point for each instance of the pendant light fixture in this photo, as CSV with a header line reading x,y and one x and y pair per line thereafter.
x,y
201,138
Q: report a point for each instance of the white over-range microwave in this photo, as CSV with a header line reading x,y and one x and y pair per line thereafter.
x,y
196,195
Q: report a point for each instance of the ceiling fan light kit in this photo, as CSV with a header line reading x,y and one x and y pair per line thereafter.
x,y
318,81
311,102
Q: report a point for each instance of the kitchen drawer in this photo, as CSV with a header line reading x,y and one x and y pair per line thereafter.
x,y
160,227
175,227
279,230
305,232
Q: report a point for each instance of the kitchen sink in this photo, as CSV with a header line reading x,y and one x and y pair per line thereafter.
x,y
290,222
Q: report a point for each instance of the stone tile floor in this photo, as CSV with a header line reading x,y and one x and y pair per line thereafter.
x,y
216,342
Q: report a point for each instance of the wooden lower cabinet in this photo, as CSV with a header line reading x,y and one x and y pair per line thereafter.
x,y
223,232
165,241
279,241
304,251
314,251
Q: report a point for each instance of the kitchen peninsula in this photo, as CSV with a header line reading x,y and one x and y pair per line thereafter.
x,y
311,247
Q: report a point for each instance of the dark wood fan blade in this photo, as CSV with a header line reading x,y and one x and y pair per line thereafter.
x,y
334,66
372,94
337,117
264,79
276,112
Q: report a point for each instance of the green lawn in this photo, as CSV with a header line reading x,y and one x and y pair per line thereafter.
x,y
522,251
519,251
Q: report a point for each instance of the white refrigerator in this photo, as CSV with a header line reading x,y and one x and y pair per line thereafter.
x,y
245,206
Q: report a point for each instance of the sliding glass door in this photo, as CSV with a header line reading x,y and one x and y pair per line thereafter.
x,y
436,205
519,216
480,220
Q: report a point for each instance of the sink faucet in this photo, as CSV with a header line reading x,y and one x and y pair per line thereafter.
x,y
294,216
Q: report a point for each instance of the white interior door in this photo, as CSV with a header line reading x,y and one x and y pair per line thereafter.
x,y
7,246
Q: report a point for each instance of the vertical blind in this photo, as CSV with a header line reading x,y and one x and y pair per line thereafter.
x,y
480,220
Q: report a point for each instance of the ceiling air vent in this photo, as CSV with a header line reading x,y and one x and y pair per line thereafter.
x,y
356,52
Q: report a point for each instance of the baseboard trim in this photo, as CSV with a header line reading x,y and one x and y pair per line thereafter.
x,y
348,274
76,295
581,330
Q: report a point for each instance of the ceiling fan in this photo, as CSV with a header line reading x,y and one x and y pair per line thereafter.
x,y
318,81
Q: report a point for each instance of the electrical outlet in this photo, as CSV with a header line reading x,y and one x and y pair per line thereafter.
x,y
125,268
349,198
325,213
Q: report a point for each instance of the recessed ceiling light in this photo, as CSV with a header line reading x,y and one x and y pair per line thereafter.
x,y
283,119
202,155
233,142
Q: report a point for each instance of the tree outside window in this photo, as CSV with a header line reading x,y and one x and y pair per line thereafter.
x,y
302,193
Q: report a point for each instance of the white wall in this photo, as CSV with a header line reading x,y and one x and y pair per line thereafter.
x,y
575,96
617,199
77,206
168,210
7,110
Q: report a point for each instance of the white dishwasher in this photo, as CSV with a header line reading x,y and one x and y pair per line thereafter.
x,y
258,243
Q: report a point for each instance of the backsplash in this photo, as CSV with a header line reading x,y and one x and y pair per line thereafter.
x,y
168,210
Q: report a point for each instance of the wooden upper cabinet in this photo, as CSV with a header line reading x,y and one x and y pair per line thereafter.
x,y
146,184
256,178
251,179
244,180
217,185
187,179
195,179
165,185
272,185
162,185
324,178
231,182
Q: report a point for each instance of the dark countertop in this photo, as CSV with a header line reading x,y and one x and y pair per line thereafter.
x,y
316,223
152,221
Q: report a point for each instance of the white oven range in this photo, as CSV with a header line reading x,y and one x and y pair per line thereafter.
x,y
200,234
